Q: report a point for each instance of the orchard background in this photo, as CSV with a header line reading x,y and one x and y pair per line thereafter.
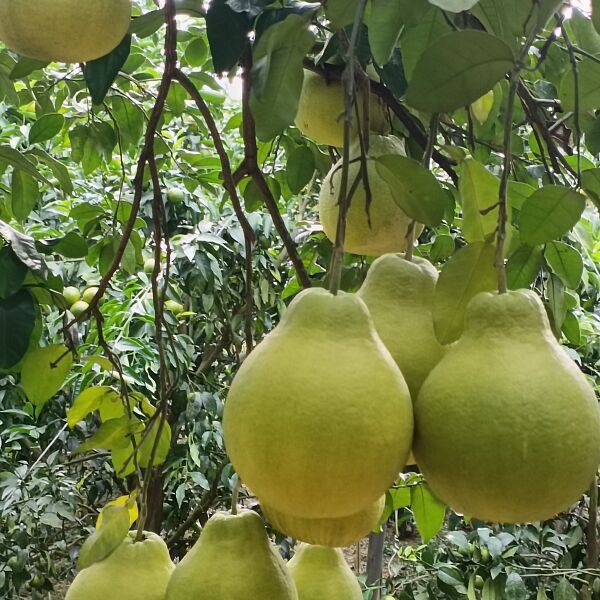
x,y
141,175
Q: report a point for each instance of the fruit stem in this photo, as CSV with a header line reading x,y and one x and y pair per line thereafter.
x,y
337,260
515,81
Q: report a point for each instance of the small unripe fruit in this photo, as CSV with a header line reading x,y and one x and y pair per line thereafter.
x,y
71,294
89,294
175,195
149,266
79,308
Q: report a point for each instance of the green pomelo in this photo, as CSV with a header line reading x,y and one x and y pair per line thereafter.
x,y
135,571
79,307
64,30
149,264
232,559
318,421
71,295
322,573
399,295
507,426
381,228
321,111
175,195
88,295
338,532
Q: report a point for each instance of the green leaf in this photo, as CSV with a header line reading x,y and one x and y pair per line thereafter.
x,y
470,271
565,591
44,372
71,245
19,161
549,213
25,194
341,12
46,127
589,87
541,594
12,272
58,169
111,435
457,69
586,36
300,169
557,301
162,448
385,24
107,538
101,73
428,511
479,193
130,120
454,5
17,322
565,262
277,75
515,588
572,329
24,247
596,14
414,188
590,181
523,266
88,401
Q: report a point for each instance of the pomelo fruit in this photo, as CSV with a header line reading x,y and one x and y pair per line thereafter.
x,y
322,573
89,293
321,111
232,559
338,532
175,195
507,426
135,571
149,266
71,294
79,307
381,228
318,421
64,30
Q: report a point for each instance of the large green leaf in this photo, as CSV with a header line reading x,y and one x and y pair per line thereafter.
x,y
596,14
24,247
457,69
470,271
162,446
385,24
589,87
88,401
111,435
414,188
454,5
565,262
277,75
17,322
590,181
46,127
515,588
25,194
479,192
300,169
428,511
12,272
549,213
341,12
20,161
59,170
44,372
523,266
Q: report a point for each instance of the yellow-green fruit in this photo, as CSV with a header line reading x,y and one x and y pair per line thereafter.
x,y
507,426
321,111
135,571
232,559
79,308
322,573
338,532
149,264
71,295
318,421
175,195
399,295
381,228
88,295
64,30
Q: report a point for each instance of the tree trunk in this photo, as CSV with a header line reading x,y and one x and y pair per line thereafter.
x,y
154,516
375,563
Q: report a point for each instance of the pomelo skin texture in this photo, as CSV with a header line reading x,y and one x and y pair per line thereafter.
x,y
64,30
507,427
336,533
232,559
320,113
388,225
136,571
399,295
322,574
318,421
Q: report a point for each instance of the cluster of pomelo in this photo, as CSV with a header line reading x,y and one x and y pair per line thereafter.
x,y
77,302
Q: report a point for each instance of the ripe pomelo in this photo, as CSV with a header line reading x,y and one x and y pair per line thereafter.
x,y
134,571
507,426
64,30
321,111
378,229
318,421
339,532
322,573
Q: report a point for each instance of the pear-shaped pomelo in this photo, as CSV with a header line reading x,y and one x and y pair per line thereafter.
x,y
64,30
338,532
399,295
507,427
232,559
135,570
318,421
322,573
378,229
320,113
